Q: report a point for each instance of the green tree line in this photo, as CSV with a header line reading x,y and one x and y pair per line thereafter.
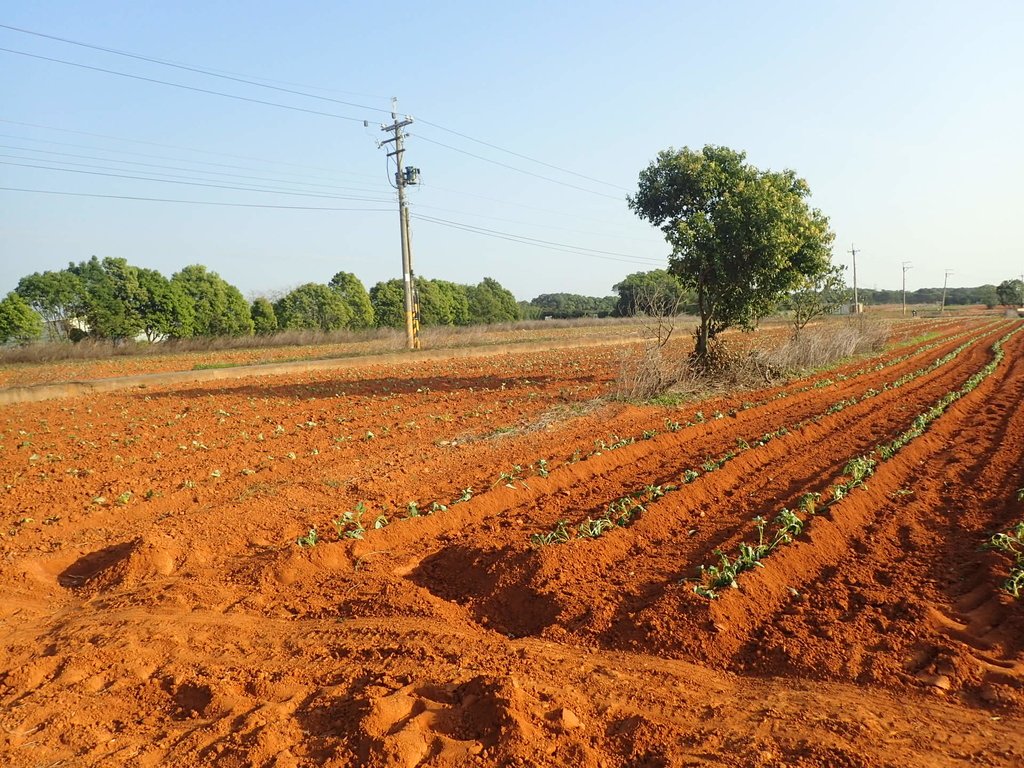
x,y
113,300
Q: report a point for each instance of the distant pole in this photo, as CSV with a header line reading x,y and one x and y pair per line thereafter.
x,y
856,298
945,280
402,178
906,266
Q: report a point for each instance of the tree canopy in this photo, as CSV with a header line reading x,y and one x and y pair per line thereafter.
x,y
220,308
1011,293
741,238
19,323
569,305
445,303
264,319
57,296
313,306
353,293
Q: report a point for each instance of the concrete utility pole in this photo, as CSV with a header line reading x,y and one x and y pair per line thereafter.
x,y
404,177
906,266
945,280
856,298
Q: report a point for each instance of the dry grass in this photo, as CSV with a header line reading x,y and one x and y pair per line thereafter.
x,y
379,339
654,370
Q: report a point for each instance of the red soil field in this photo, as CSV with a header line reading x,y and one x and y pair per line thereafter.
x,y
158,610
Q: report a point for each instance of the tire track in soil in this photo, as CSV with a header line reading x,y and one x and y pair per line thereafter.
x,y
591,586
916,573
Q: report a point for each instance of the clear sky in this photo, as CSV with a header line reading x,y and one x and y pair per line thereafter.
x,y
904,117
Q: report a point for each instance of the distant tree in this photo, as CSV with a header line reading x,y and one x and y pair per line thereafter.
x,y
567,305
220,308
986,294
657,292
353,293
57,296
817,296
741,238
388,300
19,323
530,311
313,306
264,319
164,309
489,302
1011,293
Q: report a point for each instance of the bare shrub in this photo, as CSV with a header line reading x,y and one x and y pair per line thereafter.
x,y
655,369
822,345
645,372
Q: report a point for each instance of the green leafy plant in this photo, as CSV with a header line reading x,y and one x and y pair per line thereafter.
x,y
350,524
1012,543
311,539
557,535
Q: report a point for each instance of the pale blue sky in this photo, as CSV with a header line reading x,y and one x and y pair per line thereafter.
x,y
904,117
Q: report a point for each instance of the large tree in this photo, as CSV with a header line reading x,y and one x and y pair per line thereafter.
x,y
18,321
741,238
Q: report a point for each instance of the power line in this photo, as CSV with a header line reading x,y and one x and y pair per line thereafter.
x,y
167,146
519,155
184,87
189,202
193,183
532,224
547,244
172,168
248,81
514,168
305,94
188,68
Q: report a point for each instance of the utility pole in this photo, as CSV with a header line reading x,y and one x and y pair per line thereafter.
x,y
906,266
856,299
404,177
945,280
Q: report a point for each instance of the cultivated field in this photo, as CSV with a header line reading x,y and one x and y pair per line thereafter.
x,y
481,561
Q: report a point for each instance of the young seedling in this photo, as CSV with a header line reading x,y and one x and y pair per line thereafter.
x,y
558,535
350,524
311,539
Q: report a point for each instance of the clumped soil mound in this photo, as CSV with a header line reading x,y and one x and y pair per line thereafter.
x,y
456,599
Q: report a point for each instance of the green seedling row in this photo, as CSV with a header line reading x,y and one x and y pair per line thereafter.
x,y
787,525
593,528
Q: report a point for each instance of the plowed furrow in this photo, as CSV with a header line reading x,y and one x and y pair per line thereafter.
x,y
575,490
962,490
598,586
